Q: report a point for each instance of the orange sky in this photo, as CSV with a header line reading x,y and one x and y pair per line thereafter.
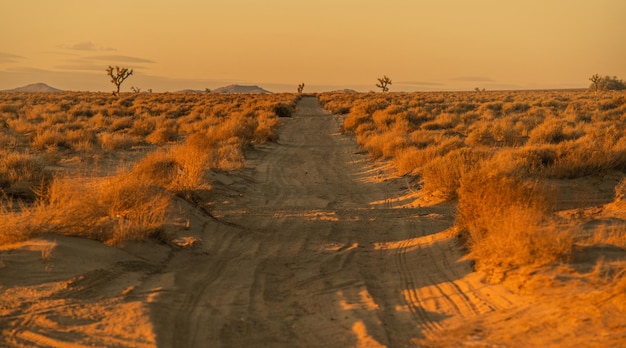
x,y
327,44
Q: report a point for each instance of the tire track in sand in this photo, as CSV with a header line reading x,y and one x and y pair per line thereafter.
x,y
313,251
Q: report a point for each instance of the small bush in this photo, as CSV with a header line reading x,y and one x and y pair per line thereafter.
x,y
506,218
443,174
162,136
283,110
116,141
21,175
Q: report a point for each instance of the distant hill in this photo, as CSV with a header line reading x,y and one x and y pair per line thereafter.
x,y
35,88
240,89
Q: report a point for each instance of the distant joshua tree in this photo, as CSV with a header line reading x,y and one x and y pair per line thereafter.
x,y
119,76
135,89
207,90
383,82
300,87
606,83
595,82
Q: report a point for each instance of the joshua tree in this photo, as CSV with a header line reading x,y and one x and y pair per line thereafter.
x,y
119,76
207,90
383,82
300,87
595,82
135,89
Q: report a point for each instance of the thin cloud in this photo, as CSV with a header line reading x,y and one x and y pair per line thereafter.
x,y
419,83
81,66
26,69
87,66
9,57
118,58
86,46
473,79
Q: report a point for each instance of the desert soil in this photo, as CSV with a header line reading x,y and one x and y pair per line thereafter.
x,y
311,245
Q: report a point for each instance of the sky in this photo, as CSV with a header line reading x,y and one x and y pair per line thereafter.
x,y
421,45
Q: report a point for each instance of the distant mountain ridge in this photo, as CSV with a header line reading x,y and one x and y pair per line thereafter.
x,y
34,88
241,89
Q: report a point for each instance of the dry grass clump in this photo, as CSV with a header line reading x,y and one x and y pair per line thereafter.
x,y
21,175
507,220
117,141
162,136
490,151
111,210
442,175
174,140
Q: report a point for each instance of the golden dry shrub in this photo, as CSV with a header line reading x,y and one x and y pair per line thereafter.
x,y
50,138
117,141
162,136
442,121
121,123
21,175
229,155
112,209
386,144
481,135
142,126
442,175
135,209
354,121
552,131
158,168
194,162
506,218
266,130
410,160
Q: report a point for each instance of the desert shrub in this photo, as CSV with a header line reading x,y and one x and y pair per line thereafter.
x,y
21,175
117,141
410,160
367,106
158,168
9,108
283,110
509,108
50,137
481,135
82,139
354,121
111,210
506,220
142,127
162,136
549,132
443,174
193,157
136,209
229,155
422,138
442,121
266,129
385,144
121,123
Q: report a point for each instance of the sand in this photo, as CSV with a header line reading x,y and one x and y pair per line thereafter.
x,y
311,245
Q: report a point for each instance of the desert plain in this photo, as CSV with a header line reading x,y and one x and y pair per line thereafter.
x,y
482,219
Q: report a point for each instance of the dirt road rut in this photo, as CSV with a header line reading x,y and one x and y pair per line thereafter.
x,y
312,245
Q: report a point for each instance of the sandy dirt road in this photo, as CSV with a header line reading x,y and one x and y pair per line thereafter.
x,y
314,246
